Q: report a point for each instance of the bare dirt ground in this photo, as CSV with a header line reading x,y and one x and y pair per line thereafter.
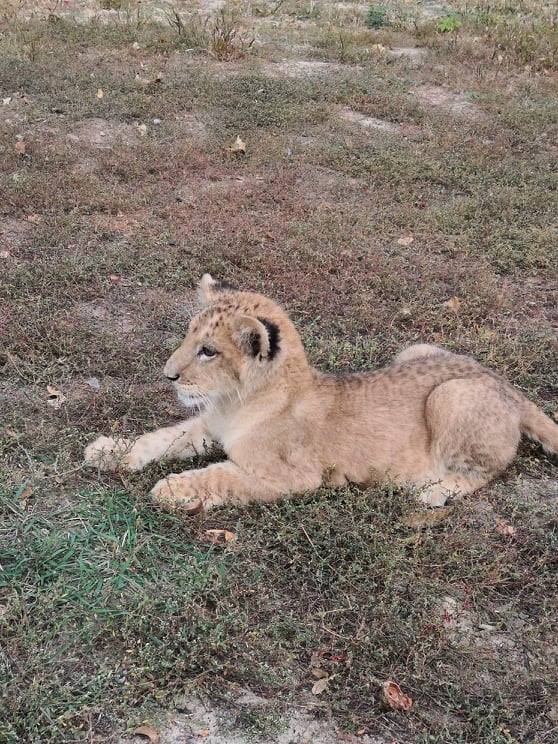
x,y
398,185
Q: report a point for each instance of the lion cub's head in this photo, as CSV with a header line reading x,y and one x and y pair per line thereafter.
x,y
235,344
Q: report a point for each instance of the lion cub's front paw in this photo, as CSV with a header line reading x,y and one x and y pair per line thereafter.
x,y
177,493
107,453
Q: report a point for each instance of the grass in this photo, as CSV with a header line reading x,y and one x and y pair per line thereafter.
x,y
219,36
127,604
111,612
526,33
377,16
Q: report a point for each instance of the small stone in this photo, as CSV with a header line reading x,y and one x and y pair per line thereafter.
x,y
156,121
405,313
93,383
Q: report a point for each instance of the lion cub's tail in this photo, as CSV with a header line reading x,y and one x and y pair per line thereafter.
x,y
536,425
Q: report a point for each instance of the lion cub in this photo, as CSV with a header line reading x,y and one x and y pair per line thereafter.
x,y
432,419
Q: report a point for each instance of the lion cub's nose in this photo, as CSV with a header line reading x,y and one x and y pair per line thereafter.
x,y
172,378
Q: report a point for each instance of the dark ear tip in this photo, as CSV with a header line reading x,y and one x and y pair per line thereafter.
x,y
224,287
274,336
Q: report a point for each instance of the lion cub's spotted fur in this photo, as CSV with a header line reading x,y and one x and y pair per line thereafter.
x,y
432,419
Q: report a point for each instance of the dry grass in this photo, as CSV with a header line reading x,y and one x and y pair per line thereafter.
x,y
111,212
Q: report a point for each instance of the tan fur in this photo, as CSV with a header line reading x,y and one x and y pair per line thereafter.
x,y
432,419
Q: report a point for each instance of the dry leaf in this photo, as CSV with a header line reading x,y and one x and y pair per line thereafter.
x,y
319,673
56,399
24,495
100,93
20,147
453,304
220,536
35,219
4,254
406,240
204,733
420,519
135,46
503,528
6,101
395,697
380,48
142,129
319,686
239,147
115,279
149,731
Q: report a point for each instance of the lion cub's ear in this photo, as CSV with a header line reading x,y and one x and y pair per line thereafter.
x,y
206,289
209,288
257,336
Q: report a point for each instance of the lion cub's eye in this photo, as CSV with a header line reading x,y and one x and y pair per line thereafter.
x,y
207,352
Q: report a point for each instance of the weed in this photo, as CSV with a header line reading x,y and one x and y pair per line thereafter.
x,y
226,41
10,9
191,30
218,35
309,11
377,16
449,24
113,4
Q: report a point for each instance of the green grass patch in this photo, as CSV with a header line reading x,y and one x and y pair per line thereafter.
x,y
108,604
377,16
79,584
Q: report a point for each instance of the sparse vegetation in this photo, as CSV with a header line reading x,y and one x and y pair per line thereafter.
x,y
113,206
377,16
528,34
227,41
113,4
218,35
449,24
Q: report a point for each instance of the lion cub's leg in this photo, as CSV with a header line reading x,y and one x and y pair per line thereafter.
x,y
474,429
223,482
181,441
